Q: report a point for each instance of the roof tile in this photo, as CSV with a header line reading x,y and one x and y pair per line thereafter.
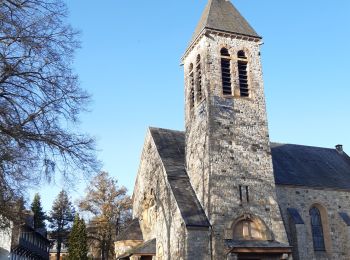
x,y
221,15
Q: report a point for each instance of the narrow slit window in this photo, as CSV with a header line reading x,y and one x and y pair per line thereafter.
x,y
243,74
191,79
247,193
226,72
240,193
199,79
317,229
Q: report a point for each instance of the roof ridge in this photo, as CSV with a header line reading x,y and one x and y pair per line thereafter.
x,y
210,4
166,129
304,145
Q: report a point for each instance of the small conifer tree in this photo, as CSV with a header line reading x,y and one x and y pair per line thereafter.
x,y
61,218
77,246
39,214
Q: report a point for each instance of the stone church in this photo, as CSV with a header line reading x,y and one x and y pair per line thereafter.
x,y
220,189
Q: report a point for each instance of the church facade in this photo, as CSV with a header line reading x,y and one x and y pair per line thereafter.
x,y
220,189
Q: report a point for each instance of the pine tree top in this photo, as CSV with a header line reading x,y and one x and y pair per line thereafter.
x,y
39,214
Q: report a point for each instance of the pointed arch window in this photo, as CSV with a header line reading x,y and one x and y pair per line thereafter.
x,y
317,229
243,74
199,79
226,72
191,81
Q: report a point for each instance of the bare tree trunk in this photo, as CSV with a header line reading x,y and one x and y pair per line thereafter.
x,y
102,248
59,245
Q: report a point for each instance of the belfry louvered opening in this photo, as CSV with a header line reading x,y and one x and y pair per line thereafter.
x,y
226,72
243,74
191,81
199,79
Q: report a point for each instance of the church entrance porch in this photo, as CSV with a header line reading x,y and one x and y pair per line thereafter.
x,y
257,250
145,251
254,256
260,257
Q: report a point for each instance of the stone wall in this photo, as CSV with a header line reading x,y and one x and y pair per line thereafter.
x,y
198,244
197,126
336,232
146,182
164,221
231,134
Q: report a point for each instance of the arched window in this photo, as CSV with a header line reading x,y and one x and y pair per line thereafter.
x,y
243,74
250,228
191,79
247,230
317,229
199,79
226,72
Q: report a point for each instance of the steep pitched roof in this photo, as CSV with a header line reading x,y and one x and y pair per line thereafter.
x,y
171,148
309,166
295,165
221,15
132,232
146,249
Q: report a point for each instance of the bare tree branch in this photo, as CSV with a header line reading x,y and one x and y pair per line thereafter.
x,y
40,96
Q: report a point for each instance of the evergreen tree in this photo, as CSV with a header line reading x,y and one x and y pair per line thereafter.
x,y
39,214
77,246
61,218
83,240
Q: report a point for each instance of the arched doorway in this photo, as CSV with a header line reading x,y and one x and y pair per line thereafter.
x,y
253,240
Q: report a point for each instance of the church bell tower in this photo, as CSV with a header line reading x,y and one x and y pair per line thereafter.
x,y
228,155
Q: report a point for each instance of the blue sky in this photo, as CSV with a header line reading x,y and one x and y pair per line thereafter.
x,y
130,63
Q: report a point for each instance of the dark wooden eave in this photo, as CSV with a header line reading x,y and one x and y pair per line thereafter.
x,y
257,246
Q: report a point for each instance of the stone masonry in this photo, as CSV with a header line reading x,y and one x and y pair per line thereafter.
x,y
165,222
227,143
336,231
221,190
157,210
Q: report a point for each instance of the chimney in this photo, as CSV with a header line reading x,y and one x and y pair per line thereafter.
x,y
339,148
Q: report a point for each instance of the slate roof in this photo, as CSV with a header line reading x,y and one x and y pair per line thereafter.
x,y
295,165
171,148
147,248
221,15
345,218
132,232
297,219
310,166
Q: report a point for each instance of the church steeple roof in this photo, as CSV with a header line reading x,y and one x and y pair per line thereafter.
x,y
221,15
